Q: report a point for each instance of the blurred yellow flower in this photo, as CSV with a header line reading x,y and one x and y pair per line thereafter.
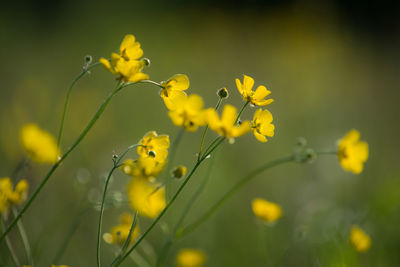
x,y
174,86
154,145
143,166
262,126
188,111
126,63
266,211
359,239
145,197
39,144
256,97
8,196
352,152
190,258
119,233
226,125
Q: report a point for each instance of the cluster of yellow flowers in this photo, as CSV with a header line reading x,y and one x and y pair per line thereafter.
x,y
119,233
359,239
9,197
352,152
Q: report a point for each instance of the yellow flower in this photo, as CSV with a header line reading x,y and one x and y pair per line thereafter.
x,y
262,126
119,233
266,211
8,196
352,152
190,258
146,197
40,145
143,166
154,145
188,111
359,239
127,63
174,86
226,125
256,97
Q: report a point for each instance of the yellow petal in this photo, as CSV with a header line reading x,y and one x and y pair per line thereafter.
x,y
228,116
106,64
248,84
178,82
239,86
244,128
259,137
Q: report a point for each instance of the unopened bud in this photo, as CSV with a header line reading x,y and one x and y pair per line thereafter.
x,y
179,172
223,93
88,59
146,61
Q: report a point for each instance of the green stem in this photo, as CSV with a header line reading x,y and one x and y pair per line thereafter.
x,y
55,166
77,78
116,166
241,111
10,247
231,192
205,131
24,238
327,152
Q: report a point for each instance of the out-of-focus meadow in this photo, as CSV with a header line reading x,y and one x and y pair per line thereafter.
x,y
329,69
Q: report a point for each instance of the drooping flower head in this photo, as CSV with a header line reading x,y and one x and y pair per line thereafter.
x,y
119,233
154,145
226,125
266,211
352,152
174,86
146,197
359,239
262,126
127,63
39,144
188,111
9,196
190,258
256,97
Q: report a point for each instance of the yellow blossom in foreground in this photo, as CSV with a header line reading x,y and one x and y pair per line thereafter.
x,y
262,126
126,63
146,197
190,258
119,233
256,97
188,111
143,166
266,211
154,145
8,196
359,239
352,152
226,125
174,87
39,144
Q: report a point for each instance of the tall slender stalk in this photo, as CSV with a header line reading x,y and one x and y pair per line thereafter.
x,y
10,247
24,238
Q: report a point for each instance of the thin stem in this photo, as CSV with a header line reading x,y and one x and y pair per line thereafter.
x,y
24,238
55,166
116,166
241,111
205,131
10,247
231,192
77,78
327,152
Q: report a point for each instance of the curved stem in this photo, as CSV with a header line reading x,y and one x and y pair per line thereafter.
x,y
24,238
55,166
116,166
77,78
231,192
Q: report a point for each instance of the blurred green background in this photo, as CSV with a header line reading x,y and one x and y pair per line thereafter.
x,y
331,67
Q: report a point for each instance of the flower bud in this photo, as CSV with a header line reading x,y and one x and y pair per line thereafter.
x,y
223,93
88,59
146,61
179,171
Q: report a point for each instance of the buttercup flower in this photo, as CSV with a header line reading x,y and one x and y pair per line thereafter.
x,y
127,63
8,196
359,239
266,211
174,87
119,233
40,145
262,126
190,258
146,197
352,152
256,97
188,111
226,125
144,166
154,145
